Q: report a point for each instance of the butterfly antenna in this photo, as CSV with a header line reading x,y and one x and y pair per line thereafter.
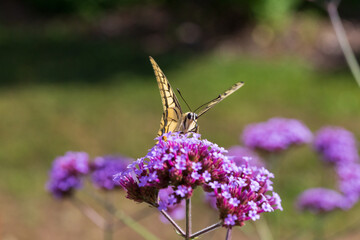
x,y
184,99
206,103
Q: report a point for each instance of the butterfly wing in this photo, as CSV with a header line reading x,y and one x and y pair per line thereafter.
x,y
221,97
172,111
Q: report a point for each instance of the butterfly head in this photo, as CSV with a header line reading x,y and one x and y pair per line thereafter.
x,y
189,123
192,116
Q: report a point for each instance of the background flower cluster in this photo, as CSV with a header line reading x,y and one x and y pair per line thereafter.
x,y
69,171
335,146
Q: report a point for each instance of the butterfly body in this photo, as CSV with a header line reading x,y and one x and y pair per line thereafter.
x,y
173,118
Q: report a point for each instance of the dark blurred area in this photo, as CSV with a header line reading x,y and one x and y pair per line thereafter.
x,y
89,40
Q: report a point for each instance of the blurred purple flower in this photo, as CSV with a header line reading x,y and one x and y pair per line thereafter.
x,y
176,211
336,145
210,198
66,173
277,134
320,200
349,180
104,168
242,154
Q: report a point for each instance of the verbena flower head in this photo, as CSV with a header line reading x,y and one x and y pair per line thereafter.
x,y
243,154
184,162
244,195
66,173
336,145
105,167
349,180
176,211
277,134
321,200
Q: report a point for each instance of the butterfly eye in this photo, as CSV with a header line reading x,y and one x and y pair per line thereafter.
x,y
196,116
189,116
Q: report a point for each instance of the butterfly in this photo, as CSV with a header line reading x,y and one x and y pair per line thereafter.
x,y
173,119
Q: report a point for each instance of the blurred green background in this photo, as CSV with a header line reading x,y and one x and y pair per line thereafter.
x,y
75,75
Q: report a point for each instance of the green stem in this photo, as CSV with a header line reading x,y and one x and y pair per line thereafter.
x,y
319,227
332,9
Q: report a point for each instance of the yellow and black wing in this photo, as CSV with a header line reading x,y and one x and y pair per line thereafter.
x,y
221,97
172,110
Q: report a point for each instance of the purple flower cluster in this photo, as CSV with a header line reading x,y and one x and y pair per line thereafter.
x,y
244,196
320,200
349,180
184,162
336,145
105,167
67,172
243,154
277,134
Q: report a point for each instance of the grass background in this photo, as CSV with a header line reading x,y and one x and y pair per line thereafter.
x,y
101,97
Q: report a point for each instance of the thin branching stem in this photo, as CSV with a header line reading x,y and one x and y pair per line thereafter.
x,y
228,234
177,227
206,230
332,9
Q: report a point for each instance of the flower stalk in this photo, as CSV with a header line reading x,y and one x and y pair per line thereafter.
x,y
228,234
188,219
